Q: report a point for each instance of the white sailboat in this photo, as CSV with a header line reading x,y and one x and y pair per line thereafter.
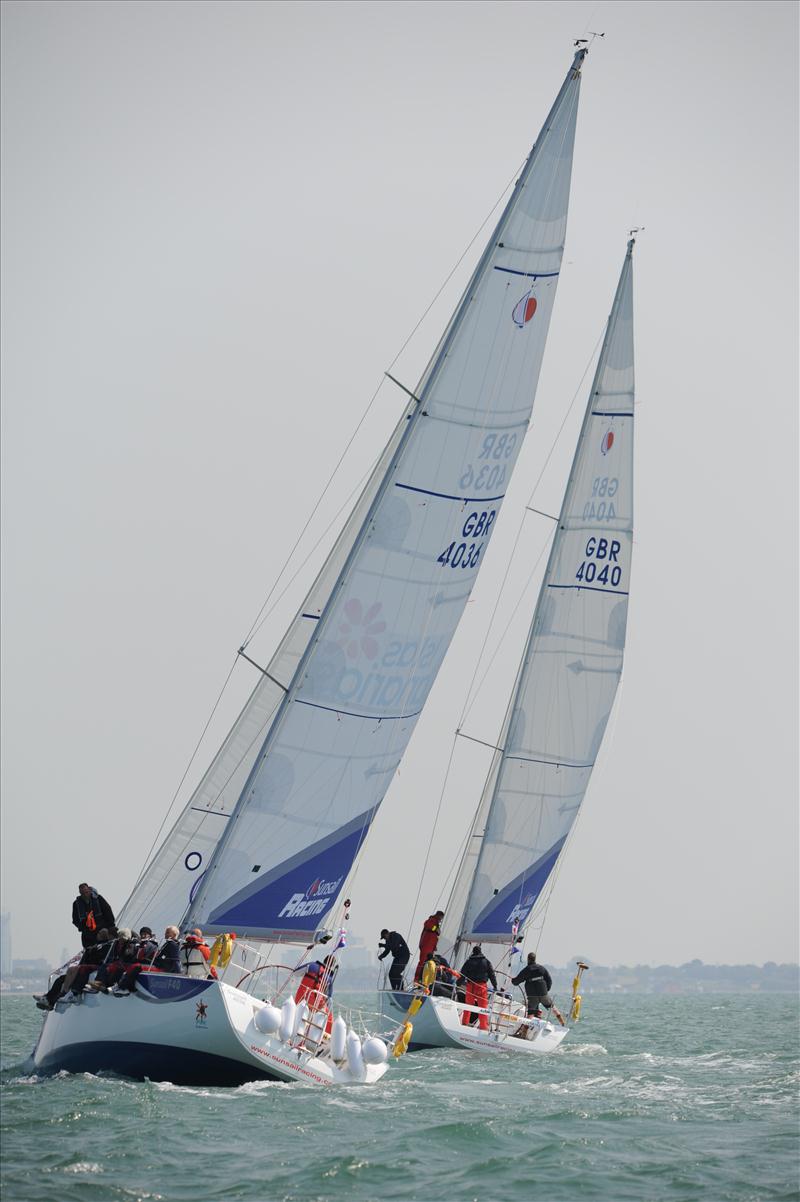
x,y
268,840
555,721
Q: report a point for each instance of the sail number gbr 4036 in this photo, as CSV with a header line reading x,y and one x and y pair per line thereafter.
x,y
466,554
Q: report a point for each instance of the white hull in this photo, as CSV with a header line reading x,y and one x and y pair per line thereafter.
x,y
438,1024
190,1032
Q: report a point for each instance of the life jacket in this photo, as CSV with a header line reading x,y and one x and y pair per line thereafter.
x,y
194,958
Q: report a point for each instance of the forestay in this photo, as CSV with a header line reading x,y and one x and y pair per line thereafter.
x,y
327,751
569,673
171,879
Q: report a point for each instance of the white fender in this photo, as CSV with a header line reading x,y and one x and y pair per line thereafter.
x,y
267,1019
300,1017
288,1010
339,1038
374,1051
355,1060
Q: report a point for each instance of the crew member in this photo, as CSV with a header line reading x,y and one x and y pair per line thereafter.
x,y
195,955
477,971
428,940
146,949
71,983
446,978
316,987
538,983
395,945
90,912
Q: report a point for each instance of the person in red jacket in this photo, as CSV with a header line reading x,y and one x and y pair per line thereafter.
x,y
316,987
428,940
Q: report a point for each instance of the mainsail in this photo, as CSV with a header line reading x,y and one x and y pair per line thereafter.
x,y
302,773
570,670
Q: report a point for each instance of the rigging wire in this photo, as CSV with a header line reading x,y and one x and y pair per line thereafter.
x,y
256,623
472,696
508,568
553,878
261,616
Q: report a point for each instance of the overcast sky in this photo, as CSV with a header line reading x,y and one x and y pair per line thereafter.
x,y
220,224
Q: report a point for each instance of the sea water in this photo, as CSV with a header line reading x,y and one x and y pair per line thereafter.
x,y
649,1098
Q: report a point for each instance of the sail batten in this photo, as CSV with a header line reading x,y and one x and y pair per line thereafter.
x,y
570,669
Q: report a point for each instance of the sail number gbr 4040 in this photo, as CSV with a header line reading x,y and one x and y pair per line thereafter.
x,y
600,565
466,554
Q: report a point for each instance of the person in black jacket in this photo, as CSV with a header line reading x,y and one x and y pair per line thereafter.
x,y
150,958
395,944
90,912
477,971
71,983
538,983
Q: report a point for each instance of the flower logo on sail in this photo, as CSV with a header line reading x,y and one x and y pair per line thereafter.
x,y
608,442
358,630
524,309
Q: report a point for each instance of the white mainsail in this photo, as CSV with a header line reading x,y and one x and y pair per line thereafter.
x,y
302,773
172,877
571,667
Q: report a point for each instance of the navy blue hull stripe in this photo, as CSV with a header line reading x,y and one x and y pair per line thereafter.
x,y
446,496
608,413
181,1066
314,617
588,589
531,275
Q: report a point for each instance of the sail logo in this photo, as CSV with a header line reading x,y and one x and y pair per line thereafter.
x,y
524,310
358,630
520,911
607,442
315,900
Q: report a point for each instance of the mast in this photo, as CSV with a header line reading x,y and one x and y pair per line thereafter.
x,y
330,743
570,669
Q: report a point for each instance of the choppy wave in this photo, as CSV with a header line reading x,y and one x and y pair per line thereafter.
x,y
648,1098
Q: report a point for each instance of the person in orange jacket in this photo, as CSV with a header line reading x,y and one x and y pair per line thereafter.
x,y
428,940
316,987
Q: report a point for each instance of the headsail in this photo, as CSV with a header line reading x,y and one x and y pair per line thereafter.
x,y
173,875
569,673
331,744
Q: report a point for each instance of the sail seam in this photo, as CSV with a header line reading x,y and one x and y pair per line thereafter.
x,y
446,496
587,588
349,713
530,759
530,275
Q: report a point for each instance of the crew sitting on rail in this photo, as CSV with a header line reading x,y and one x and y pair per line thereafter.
x,y
120,959
195,955
70,984
146,950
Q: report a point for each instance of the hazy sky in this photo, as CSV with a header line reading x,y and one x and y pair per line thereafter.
x,y
220,223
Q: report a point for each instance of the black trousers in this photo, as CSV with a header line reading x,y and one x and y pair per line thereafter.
x,y
396,973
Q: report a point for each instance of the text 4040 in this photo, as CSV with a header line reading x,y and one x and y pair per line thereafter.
x,y
600,565
601,507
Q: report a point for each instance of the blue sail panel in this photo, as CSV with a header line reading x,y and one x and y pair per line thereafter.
x,y
293,898
515,902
